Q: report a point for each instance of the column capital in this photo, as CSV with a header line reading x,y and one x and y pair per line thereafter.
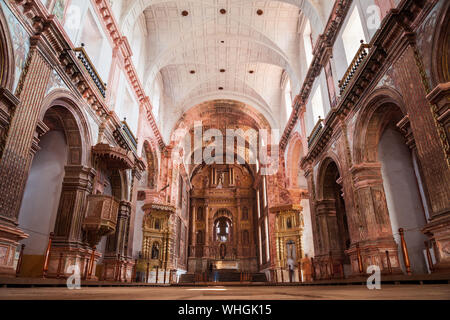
x,y
366,174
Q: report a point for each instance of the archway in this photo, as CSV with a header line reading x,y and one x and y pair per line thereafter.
x,y
332,191
152,166
332,223
298,188
295,153
223,230
400,200
59,148
401,180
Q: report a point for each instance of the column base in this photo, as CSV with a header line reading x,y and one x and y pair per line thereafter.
x,y
117,270
373,253
73,259
324,270
438,229
9,240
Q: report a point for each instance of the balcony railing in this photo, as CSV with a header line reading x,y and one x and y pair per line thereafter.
x,y
125,137
129,135
315,132
89,66
359,58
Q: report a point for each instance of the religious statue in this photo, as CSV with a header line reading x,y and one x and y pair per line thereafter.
x,y
221,180
155,251
223,251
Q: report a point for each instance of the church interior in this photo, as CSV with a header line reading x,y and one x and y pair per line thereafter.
x,y
179,143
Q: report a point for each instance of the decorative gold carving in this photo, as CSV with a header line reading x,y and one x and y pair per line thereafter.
x,y
289,226
157,235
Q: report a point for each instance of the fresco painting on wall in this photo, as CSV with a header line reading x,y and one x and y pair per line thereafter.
x,y
20,39
58,9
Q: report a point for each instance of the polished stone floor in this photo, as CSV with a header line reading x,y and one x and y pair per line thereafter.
x,y
388,292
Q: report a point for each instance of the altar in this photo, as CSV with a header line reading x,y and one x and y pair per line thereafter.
x,y
226,265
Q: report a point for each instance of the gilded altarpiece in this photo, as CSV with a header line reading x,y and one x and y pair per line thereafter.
x,y
222,222
158,238
289,230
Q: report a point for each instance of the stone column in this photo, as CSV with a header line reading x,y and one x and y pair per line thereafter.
x,y
116,243
375,229
328,231
17,155
69,235
438,227
328,227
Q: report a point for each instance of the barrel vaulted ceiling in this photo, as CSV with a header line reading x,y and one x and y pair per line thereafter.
x,y
203,50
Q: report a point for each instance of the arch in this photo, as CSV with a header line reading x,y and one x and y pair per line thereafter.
x,y
330,158
69,114
330,175
223,227
6,55
294,154
331,214
195,169
384,106
152,166
441,42
223,213
64,147
260,108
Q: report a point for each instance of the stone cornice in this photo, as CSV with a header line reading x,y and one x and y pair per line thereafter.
x,y
121,41
394,34
401,20
320,53
58,44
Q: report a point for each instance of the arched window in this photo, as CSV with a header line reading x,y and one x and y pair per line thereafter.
x,y
288,98
352,35
152,166
157,224
317,106
307,41
223,228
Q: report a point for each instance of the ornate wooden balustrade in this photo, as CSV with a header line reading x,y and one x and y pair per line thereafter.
x,y
89,66
315,132
359,58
